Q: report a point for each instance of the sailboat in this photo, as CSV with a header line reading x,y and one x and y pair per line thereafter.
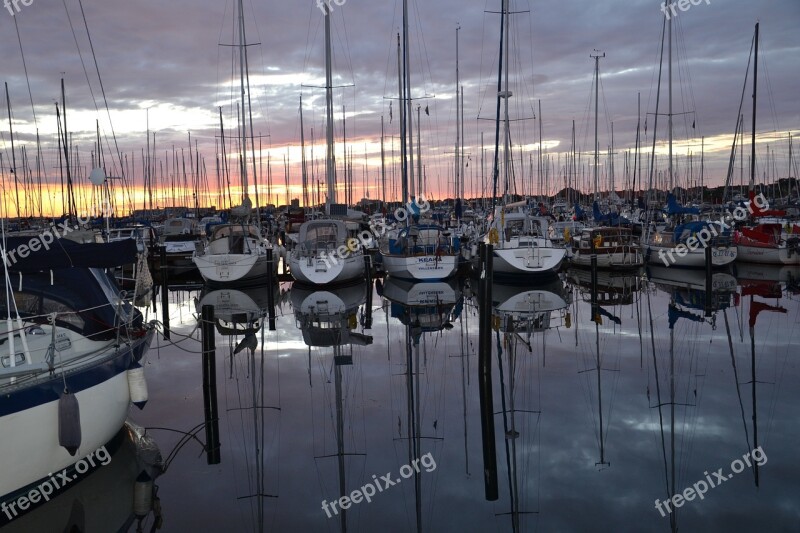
x,y
317,257
416,251
767,242
237,253
609,244
660,246
522,245
70,347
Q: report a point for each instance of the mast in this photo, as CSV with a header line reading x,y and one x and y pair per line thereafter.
x,y
303,156
506,95
383,165
458,124
243,121
496,167
753,133
408,103
596,57
401,93
637,160
330,161
669,115
13,153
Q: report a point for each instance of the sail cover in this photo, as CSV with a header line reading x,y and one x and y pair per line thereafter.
x,y
44,252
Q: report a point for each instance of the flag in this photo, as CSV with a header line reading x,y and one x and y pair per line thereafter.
x,y
426,111
390,112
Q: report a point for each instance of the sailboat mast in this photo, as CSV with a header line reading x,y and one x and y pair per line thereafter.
x,y
507,127
596,57
458,124
407,103
330,168
753,132
669,113
13,152
303,156
401,94
243,130
496,167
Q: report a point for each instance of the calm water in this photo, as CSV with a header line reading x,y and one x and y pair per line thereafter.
x,y
324,406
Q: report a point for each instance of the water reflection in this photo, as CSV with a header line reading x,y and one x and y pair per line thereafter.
x,y
609,391
328,320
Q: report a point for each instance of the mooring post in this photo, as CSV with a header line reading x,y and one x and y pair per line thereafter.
x,y
210,385
271,289
164,291
485,372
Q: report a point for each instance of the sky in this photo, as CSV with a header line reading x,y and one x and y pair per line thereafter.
x,y
171,64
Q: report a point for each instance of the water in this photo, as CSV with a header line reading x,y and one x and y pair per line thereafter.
x,y
576,449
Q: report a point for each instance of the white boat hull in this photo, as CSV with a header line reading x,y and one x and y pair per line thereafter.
x,y
318,271
527,260
766,255
234,268
421,267
631,258
33,433
660,255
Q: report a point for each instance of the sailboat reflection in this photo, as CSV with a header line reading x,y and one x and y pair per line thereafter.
x,y
520,315
239,317
424,306
424,309
689,292
119,494
328,319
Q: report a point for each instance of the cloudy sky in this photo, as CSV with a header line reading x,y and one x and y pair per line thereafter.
x,y
167,57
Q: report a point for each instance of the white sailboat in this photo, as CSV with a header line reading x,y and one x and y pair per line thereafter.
x,y
237,253
416,251
522,245
69,365
317,258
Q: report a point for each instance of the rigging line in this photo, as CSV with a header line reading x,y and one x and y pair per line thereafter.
x,y
108,111
27,79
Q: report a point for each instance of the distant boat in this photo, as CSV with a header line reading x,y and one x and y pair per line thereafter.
x,y
662,246
235,254
421,252
71,345
316,259
522,245
614,247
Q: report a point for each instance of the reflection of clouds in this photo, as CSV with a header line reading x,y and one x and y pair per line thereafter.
x,y
562,439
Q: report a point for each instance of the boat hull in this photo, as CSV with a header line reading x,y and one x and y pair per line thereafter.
x,y
317,270
420,267
230,269
667,257
767,255
29,420
631,257
527,261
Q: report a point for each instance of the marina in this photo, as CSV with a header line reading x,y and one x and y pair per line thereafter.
x,y
254,327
